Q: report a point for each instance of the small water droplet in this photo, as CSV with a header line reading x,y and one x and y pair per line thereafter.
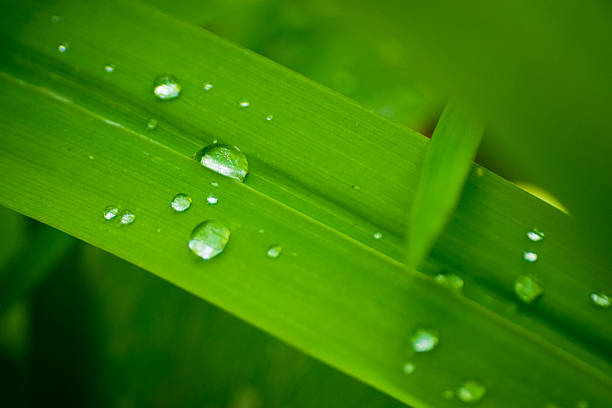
x,y
451,281
166,87
356,187
110,212
214,184
209,239
377,235
56,19
471,391
479,172
63,47
226,160
269,117
274,251
583,404
527,288
212,200
535,235
408,368
127,217
600,299
109,68
181,202
207,86
530,256
152,124
261,230
243,103
424,340
92,157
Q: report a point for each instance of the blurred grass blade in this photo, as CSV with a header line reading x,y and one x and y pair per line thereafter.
x,y
329,182
29,266
447,164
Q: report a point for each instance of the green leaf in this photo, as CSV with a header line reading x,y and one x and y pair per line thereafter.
x,y
76,141
447,164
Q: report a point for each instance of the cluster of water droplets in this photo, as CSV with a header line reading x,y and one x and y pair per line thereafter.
x,y
527,287
125,217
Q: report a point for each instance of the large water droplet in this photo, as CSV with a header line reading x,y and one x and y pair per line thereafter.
x,y
274,251
63,47
181,202
209,239
600,299
166,87
110,212
450,280
424,340
408,368
527,288
226,160
535,235
471,391
529,256
127,217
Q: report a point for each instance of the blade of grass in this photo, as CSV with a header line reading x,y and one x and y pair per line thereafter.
x,y
448,162
341,283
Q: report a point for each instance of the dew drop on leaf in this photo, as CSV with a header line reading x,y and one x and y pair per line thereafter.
x,y
274,251
244,103
181,202
109,68
209,239
214,184
226,160
63,47
424,340
450,280
527,288
535,235
408,368
152,124
127,217
377,235
269,117
166,87
211,199
471,391
207,86
56,19
110,212
529,256
600,300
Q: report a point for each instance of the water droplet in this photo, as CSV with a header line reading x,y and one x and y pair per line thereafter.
x,y
535,235
479,172
92,157
527,288
377,235
109,68
181,202
600,300
207,86
261,230
529,256
269,117
274,251
63,47
356,187
56,19
471,391
127,217
583,404
450,280
212,200
226,160
424,340
152,124
409,368
214,184
209,239
243,103
110,212
166,87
